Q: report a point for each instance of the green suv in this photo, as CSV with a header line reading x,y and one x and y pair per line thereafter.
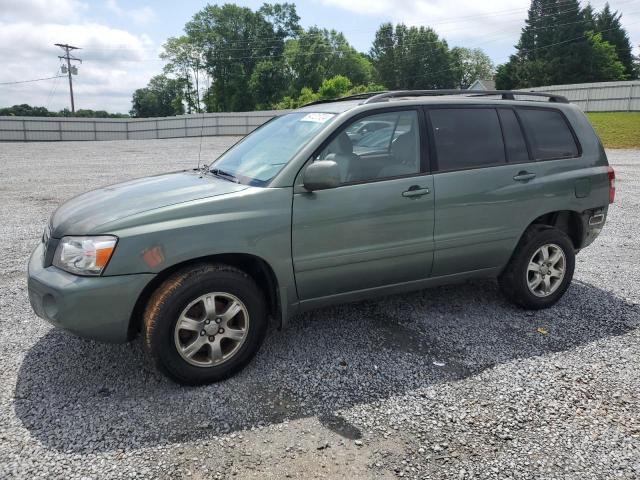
x,y
313,209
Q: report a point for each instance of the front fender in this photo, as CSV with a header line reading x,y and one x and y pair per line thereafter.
x,y
256,221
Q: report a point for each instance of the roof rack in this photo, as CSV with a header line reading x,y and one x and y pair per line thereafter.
x,y
505,94
356,96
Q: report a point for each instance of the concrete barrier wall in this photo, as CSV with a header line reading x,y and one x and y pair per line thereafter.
x,y
590,97
599,97
34,129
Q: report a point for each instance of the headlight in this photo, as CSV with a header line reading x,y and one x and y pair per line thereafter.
x,y
84,255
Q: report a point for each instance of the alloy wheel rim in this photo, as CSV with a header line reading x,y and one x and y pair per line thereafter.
x,y
211,329
546,270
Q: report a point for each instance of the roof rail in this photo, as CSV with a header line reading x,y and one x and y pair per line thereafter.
x,y
356,96
506,94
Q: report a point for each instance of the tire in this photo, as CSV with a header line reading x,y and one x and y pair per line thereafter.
x,y
517,276
195,353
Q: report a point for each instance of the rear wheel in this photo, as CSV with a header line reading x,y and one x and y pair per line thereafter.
x,y
204,324
540,269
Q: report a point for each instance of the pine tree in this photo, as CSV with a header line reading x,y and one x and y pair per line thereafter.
x,y
569,52
557,46
609,26
536,35
589,16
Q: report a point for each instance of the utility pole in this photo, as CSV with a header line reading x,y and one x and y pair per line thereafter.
x,y
70,69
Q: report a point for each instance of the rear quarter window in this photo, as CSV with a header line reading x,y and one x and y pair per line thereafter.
x,y
548,133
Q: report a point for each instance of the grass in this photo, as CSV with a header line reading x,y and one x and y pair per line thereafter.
x,y
617,129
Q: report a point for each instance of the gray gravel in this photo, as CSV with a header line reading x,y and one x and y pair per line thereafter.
x,y
451,382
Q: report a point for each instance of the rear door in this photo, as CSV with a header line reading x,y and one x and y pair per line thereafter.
x,y
484,183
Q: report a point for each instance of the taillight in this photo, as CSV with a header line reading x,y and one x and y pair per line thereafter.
x,y
612,184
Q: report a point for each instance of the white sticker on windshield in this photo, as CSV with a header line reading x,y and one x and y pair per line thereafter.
x,y
316,117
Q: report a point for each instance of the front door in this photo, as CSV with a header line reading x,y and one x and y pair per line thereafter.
x,y
376,229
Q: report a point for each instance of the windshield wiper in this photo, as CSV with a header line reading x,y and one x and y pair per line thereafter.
x,y
226,175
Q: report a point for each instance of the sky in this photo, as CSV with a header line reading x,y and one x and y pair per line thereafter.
x,y
121,39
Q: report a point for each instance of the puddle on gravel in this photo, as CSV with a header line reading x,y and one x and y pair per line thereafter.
x,y
397,337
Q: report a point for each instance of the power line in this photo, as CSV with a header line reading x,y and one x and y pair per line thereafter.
x,y
329,51
32,80
52,93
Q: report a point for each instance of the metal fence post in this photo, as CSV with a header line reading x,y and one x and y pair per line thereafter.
x,y
24,130
126,127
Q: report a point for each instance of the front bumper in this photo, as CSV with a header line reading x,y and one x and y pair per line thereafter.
x,y
93,307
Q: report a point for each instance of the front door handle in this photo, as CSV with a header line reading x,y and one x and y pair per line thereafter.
x,y
416,191
524,176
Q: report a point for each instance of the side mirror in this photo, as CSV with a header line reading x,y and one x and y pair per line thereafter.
x,y
321,175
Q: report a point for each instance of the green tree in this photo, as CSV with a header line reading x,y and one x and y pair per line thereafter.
x,y
569,51
184,60
283,17
233,40
88,113
470,65
556,47
609,26
317,54
268,83
163,96
25,110
604,60
335,87
412,58
589,16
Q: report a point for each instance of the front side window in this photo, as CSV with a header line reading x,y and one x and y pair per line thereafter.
x,y
261,155
467,137
378,146
548,134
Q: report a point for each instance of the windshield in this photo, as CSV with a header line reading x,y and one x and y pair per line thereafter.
x,y
259,157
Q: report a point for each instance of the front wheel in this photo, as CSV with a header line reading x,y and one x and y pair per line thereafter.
x,y
204,324
540,269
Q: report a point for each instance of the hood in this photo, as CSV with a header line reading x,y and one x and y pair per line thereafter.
x,y
82,214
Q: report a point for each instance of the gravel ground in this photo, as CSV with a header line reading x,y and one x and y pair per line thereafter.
x,y
451,382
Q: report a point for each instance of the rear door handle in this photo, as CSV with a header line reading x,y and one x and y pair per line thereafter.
x,y
524,176
416,191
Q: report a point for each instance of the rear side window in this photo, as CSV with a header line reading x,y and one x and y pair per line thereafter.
x,y
513,138
548,134
467,137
